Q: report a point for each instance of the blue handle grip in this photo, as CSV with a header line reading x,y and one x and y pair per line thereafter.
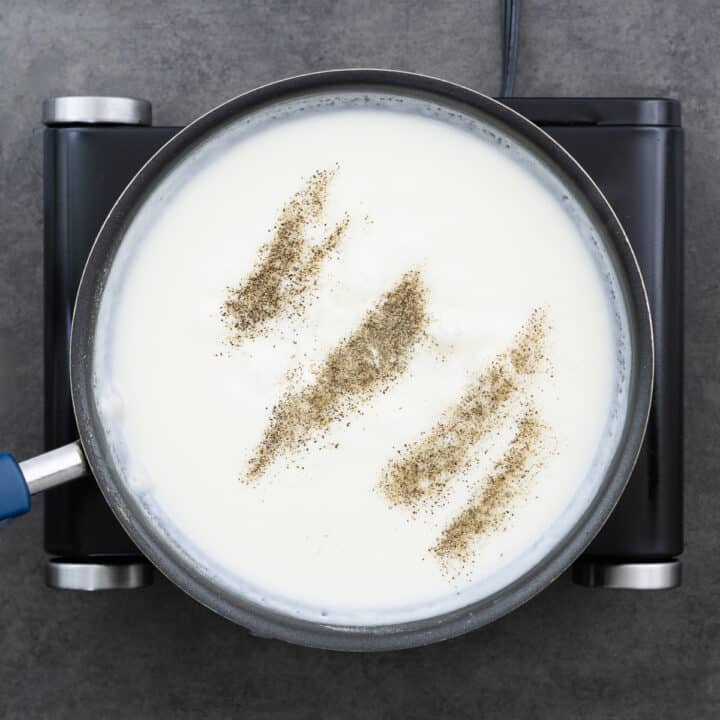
x,y
14,494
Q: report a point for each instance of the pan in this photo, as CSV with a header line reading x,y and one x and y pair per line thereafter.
x,y
91,453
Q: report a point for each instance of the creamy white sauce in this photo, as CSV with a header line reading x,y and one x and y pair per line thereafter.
x,y
493,237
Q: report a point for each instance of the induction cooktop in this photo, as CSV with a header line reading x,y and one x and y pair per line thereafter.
x,y
632,148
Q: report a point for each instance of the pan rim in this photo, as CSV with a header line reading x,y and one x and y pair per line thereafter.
x,y
273,624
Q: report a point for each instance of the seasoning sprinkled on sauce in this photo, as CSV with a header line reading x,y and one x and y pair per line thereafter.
x,y
425,469
365,363
489,510
288,265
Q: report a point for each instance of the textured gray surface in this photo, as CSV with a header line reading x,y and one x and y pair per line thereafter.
x,y
569,653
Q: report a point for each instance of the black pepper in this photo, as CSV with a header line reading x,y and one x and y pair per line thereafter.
x,y
287,268
376,354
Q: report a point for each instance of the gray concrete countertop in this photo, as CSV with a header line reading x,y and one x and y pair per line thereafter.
x,y
155,653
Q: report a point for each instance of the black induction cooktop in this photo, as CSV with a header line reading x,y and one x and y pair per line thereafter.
x,y
632,148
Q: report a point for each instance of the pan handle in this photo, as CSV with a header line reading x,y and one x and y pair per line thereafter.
x,y
18,481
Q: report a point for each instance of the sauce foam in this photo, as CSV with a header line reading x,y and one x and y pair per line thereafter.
x,y
259,396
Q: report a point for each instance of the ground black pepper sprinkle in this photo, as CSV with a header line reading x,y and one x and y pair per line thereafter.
x,y
425,469
288,265
489,510
365,363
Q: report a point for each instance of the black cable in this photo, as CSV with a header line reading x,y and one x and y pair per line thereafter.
x,y
511,24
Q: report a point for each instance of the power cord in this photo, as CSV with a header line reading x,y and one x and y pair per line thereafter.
x,y
511,23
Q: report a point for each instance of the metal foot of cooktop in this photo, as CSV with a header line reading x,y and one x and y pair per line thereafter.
x,y
628,576
127,573
96,110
